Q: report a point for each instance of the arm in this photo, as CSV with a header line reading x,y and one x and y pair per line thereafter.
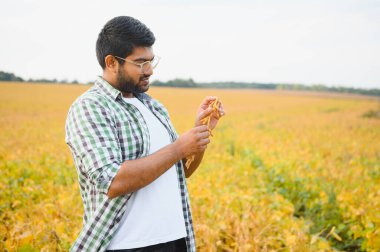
x,y
135,174
194,165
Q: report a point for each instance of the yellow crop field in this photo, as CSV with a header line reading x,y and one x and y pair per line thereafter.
x,y
285,171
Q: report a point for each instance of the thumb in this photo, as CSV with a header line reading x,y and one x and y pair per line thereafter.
x,y
205,113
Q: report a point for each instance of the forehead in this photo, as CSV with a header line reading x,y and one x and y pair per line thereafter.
x,y
141,52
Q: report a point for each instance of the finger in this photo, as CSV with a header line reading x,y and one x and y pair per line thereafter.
x,y
221,110
205,113
201,128
203,147
204,134
207,101
204,141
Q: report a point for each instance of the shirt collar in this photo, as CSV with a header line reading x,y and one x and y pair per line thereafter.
x,y
108,89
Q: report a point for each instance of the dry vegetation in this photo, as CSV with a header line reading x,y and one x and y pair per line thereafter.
x,y
284,171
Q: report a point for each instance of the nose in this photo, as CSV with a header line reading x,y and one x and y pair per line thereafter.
x,y
148,69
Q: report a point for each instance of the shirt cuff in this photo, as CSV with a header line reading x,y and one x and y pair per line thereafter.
x,y
104,176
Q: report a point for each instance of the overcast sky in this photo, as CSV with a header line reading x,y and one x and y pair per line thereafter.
x,y
336,43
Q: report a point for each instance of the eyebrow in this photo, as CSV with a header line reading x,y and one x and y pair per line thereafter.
x,y
144,59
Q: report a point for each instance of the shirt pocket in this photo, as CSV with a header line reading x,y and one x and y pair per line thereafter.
x,y
131,138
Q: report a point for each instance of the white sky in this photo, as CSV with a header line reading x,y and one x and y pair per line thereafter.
x,y
336,43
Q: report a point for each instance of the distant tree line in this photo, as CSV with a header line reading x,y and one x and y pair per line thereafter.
x,y
4,76
190,83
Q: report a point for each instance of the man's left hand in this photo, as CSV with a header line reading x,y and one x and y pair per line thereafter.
x,y
204,111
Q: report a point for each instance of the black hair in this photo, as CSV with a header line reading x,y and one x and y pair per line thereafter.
x,y
120,36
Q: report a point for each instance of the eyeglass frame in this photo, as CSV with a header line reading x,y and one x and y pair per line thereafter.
x,y
141,65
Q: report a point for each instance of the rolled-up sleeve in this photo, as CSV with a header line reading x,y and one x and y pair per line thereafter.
x,y
92,137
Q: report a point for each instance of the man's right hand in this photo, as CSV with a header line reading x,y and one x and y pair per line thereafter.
x,y
192,141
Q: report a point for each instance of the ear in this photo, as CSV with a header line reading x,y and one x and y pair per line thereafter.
x,y
111,63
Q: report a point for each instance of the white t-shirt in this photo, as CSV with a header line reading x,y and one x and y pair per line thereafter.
x,y
154,213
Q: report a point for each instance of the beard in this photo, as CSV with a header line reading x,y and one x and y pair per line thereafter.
x,y
127,85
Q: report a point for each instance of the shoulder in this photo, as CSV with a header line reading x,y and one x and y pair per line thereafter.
x,y
92,98
89,103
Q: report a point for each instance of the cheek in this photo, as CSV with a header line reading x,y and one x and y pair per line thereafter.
x,y
133,74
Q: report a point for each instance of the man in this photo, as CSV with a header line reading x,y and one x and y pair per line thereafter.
x,y
129,158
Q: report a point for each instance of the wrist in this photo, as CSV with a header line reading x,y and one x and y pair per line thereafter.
x,y
201,153
176,150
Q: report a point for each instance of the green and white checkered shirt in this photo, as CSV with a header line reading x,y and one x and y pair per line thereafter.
x,y
102,131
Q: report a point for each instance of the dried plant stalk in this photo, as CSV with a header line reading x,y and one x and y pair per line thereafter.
x,y
206,121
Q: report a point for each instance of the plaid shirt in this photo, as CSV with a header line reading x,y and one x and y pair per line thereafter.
x,y
102,131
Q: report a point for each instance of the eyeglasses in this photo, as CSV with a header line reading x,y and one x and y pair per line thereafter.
x,y
144,67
